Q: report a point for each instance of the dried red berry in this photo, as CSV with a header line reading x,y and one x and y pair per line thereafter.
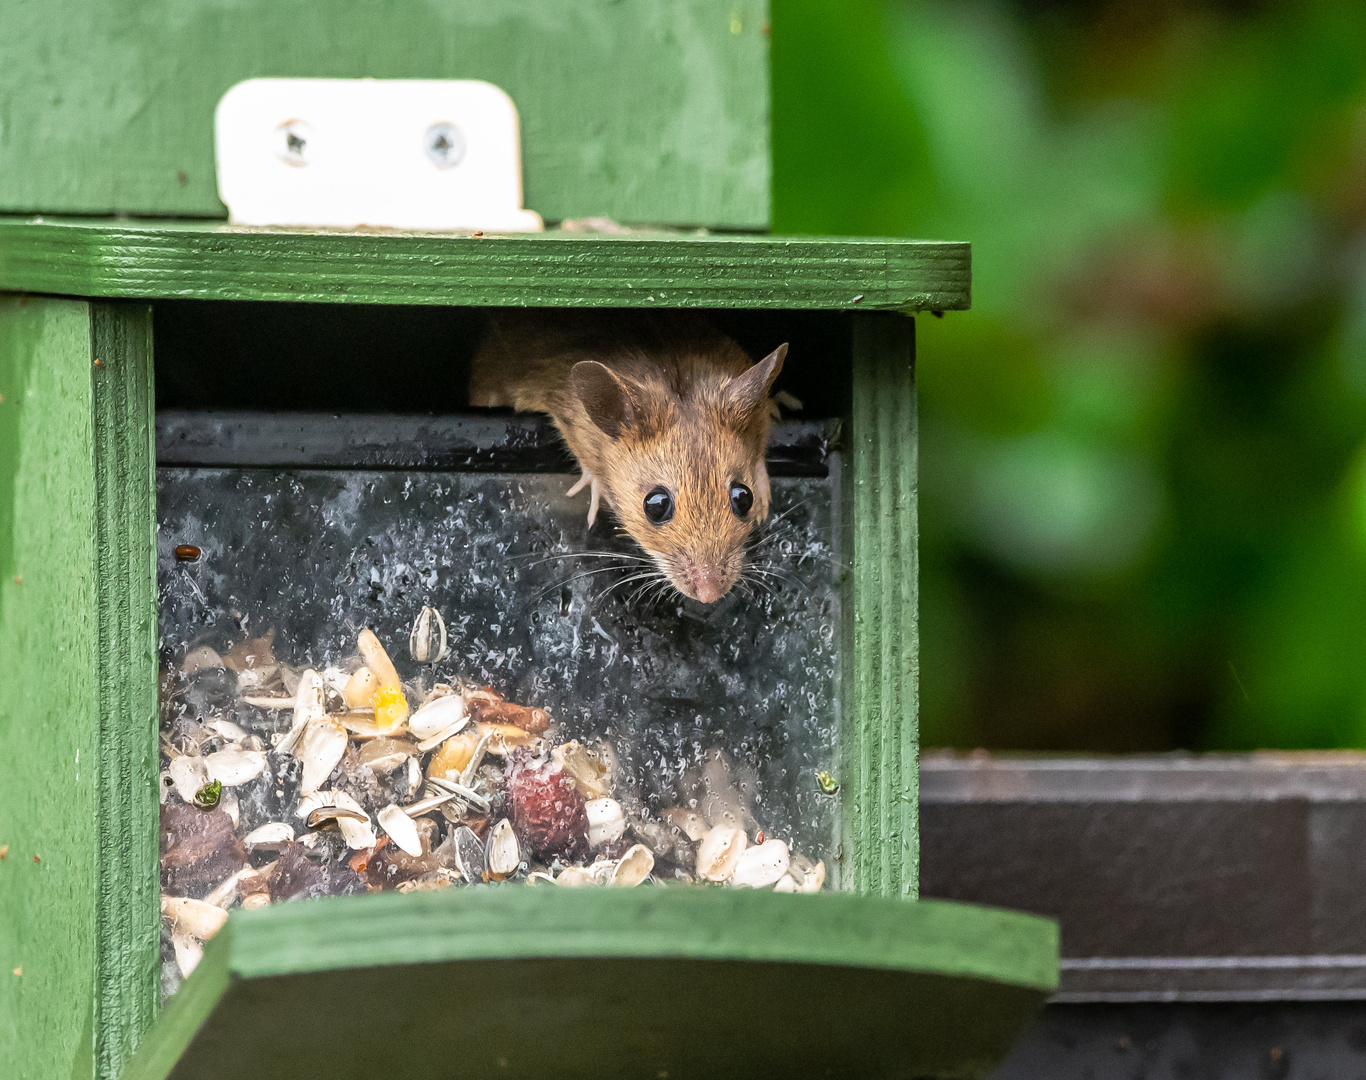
x,y
547,812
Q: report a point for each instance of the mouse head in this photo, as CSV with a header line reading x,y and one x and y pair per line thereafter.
x,y
685,473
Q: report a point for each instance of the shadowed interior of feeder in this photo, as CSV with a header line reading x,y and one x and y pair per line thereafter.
x,y
675,742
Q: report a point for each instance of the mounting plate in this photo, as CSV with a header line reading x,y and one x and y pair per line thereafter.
x,y
429,154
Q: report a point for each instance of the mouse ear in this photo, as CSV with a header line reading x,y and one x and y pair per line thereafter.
x,y
603,397
746,392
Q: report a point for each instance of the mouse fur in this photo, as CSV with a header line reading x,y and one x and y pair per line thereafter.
x,y
646,401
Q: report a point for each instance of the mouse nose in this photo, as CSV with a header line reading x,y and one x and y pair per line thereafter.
x,y
705,582
708,591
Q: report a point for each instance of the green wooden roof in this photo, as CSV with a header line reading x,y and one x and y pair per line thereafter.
x,y
534,982
640,110
205,260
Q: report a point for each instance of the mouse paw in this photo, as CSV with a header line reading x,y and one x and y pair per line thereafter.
x,y
588,480
593,500
585,479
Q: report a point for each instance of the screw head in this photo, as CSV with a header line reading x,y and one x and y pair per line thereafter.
x,y
445,145
294,142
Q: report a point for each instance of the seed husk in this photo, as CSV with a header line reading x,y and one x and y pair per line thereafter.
x,y
195,918
453,755
188,953
401,830
427,640
355,826
383,755
320,748
323,814
309,705
234,767
760,866
502,855
719,851
574,877
438,719
633,867
271,836
585,768
469,854
688,822
606,821
273,702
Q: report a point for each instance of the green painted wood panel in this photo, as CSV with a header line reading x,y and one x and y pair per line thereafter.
x,y
128,897
640,110
218,262
878,732
77,687
48,724
952,984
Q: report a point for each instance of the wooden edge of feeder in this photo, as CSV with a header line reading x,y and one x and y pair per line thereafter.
x,y
988,947
215,261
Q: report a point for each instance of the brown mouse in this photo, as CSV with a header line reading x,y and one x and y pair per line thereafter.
x,y
667,417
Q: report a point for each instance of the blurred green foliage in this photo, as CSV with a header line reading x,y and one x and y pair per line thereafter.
x,y
1144,449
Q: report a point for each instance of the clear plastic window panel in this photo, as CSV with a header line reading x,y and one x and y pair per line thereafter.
x,y
377,680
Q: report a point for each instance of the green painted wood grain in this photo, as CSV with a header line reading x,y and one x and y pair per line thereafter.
x,y
699,923
127,903
48,723
455,934
640,110
181,259
77,636
879,735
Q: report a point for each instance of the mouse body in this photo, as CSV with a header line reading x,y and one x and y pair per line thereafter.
x,y
667,417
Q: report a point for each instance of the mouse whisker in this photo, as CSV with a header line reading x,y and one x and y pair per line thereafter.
x,y
778,522
800,547
644,582
638,596
771,578
661,592
573,579
618,556
764,555
795,506
780,519
770,572
624,581
753,586
594,555
646,576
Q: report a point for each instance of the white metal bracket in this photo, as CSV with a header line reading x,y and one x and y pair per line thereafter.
x,y
398,153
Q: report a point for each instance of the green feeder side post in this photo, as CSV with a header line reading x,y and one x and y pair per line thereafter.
x,y
879,738
77,686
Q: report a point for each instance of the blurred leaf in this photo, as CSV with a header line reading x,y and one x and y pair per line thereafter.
x,y
1143,492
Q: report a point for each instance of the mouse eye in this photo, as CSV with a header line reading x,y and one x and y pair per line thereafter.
x,y
659,506
741,499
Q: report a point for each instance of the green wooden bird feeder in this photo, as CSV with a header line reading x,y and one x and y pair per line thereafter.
x,y
227,450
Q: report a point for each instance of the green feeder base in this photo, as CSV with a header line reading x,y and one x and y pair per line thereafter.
x,y
660,983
